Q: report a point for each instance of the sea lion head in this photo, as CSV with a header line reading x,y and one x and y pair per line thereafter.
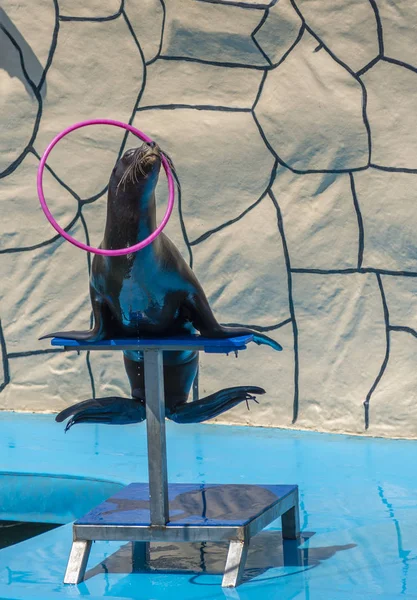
x,y
136,173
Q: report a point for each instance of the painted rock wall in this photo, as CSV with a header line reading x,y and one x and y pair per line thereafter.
x,y
293,127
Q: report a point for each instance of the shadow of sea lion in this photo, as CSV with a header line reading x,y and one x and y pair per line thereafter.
x,y
10,61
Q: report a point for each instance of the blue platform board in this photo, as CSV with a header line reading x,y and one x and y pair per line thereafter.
x,y
189,504
196,342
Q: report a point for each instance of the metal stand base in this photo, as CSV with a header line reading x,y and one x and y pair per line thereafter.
x,y
164,512
214,513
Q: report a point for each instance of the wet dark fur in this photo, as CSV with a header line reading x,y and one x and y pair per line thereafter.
x,y
151,293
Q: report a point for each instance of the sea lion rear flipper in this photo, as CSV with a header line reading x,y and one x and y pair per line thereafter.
x,y
112,410
212,406
205,322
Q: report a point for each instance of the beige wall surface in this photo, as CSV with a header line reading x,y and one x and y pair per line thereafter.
x,y
293,128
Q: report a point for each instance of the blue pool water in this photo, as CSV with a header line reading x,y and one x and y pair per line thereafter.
x,y
358,511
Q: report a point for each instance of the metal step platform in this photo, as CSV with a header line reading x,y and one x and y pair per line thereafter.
x,y
162,512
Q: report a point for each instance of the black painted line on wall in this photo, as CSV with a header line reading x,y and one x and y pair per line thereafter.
x,y
255,41
347,271
161,40
95,197
387,59
260,328
31,83
35,352
361,241
350,71
46,242
241,4
55,176
400,63
142,87
90,374
13,166
378,27
403,329
250,66
291,306
270,147
393,169
136,108
369,66
87,240
261,131
290,49
214,63
5,360
96,19
209,233
67,187
53,46
260,88
366,404
350,271
209,107
182,222
282,59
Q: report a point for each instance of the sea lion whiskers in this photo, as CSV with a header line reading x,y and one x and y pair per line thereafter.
x,y
141,159
128,176
123,180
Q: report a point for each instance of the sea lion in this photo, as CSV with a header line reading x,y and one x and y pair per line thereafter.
x,y
149,293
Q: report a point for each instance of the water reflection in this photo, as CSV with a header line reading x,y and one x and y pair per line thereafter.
x,y
223,503
402,553
267,551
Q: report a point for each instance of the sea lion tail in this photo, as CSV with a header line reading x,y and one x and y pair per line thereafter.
x,y
112,410
213,405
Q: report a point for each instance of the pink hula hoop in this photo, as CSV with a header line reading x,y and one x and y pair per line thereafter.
x,y
69,238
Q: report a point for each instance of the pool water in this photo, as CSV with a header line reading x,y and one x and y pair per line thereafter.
x,y
358,504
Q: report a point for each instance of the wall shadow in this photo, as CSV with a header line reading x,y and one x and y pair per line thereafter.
x,y
10,61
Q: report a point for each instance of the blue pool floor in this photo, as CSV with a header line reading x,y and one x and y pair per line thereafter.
x,y
358,512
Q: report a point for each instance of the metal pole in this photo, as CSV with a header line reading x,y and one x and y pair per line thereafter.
x,y
155,423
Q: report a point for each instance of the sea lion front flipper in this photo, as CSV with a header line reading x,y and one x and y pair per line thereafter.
x,y
212,406
112,410
98,332
205,322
